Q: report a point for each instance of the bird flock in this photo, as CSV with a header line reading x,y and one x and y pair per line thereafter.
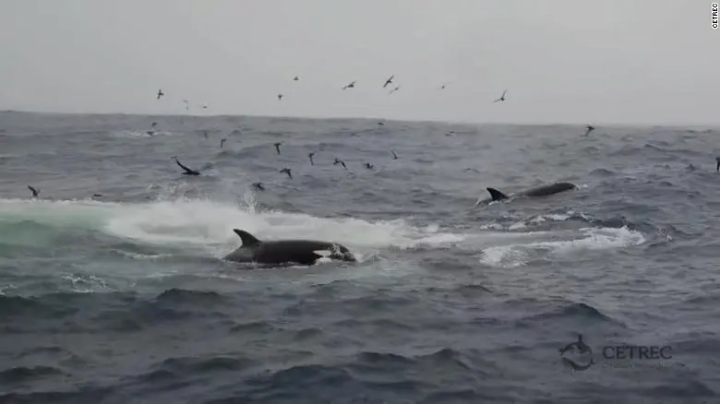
x,y
390,81
287,170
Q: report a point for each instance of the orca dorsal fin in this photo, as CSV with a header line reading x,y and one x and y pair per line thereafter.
x,y
496,195
248,240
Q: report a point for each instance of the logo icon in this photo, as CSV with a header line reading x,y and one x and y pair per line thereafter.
x,y
578,355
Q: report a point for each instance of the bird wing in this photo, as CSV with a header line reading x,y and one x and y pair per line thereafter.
x,y
183,167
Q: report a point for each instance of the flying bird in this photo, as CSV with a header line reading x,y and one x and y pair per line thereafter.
x,y
310,156
589,129
443,86
160,94
287,171
186,170
338,161
296,78
395,156
502,97
204,106
279,97
349,85
388,81
717,159
34,191
369,166
277,147
394,89
222,141
258,185
187,105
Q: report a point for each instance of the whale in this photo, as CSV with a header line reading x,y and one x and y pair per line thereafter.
x,y
544,190
303,252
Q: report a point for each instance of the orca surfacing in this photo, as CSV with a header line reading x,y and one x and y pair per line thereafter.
x,y
303,252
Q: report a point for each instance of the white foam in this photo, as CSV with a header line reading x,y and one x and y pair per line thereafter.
x,y
206,223
516,254
204,228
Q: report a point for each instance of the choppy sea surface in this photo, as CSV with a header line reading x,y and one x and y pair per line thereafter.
x,y
113,288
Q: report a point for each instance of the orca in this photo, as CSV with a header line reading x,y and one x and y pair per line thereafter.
x,y
303,252
544,190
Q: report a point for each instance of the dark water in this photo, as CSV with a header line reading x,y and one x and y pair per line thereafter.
x,y
122,297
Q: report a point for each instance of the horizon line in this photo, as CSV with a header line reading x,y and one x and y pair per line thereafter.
x,y
335,118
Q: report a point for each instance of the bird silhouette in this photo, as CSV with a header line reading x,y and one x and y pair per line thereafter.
x,y
388,81
349,85
222,141
395,156
258,185
34,191
277,147
338,161
310,156
160,94
369,166
287,171
502,97
589,129
187,171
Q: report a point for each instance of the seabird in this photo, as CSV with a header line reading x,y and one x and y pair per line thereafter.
x,y
394,89
204,106
287,171
296,78
258,185
381,124
160,94
388,81
187,105
395,156
154,124
310,156
187,171
221,142
443,86
369,166
338,161
717,159
277,147
502,97
35,192
349,85
279,97
589,129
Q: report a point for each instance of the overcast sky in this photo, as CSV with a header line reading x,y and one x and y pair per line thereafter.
x,y
562,61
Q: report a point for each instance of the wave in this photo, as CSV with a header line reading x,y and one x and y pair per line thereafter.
x,y
203,225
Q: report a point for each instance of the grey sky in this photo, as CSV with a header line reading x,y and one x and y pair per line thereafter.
x,y
562,61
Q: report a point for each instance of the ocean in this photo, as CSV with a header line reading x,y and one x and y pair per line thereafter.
x,y
113,288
